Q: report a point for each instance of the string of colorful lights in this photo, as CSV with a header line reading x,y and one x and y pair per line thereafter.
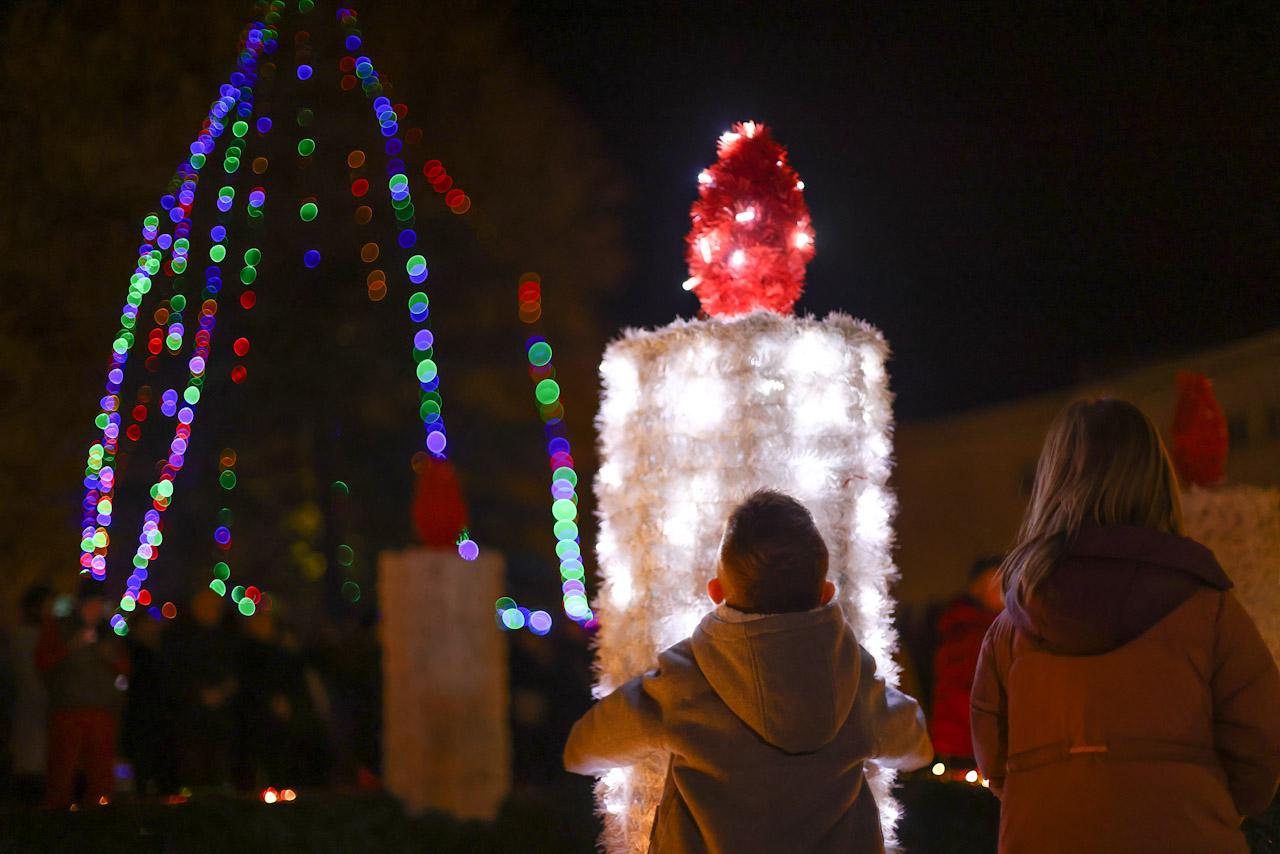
x,y
235,100
165,254
564,480
512,617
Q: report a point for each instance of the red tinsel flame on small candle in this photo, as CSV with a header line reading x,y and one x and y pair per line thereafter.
x,y
439,510
751,236
1199,432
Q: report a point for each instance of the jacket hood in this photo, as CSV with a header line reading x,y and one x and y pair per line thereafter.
x,y
1111,585
791,677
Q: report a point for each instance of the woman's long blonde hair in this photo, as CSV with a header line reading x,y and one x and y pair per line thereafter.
x,y
1103,463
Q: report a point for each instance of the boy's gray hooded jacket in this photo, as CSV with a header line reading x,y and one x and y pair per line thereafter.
x,y
768,723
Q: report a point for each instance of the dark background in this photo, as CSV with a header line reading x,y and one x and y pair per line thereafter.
x,y
1019,195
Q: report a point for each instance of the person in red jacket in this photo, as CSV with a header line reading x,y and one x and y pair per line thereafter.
x,y
83,660
961,627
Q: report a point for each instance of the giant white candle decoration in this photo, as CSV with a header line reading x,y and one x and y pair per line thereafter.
x,y
698,414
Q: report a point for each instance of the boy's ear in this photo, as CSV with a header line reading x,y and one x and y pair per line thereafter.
x,y
828,592
715,590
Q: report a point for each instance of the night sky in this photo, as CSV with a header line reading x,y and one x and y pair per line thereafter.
x,y
1018,200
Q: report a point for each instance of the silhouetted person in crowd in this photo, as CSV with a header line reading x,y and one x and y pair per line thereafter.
x,y
83,661
204,670
349,661
961,627
281,737
29,720
147,736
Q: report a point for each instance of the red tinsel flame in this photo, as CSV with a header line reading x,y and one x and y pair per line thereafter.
x,y
1199,432
751,236
439,510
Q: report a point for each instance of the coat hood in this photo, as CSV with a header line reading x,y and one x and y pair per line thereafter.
x,y
791,677
1111,585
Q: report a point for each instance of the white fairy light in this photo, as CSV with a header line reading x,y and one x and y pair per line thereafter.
x,y
704,178
738,258
620,589
728,138
616,783
872,513
811,477
815,353
704,247
799,185
691,283
697,403
802,240
749,128
818,407
680,527
622,381
746,216
872,365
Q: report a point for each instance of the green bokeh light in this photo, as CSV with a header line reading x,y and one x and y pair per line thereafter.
x,y
426,371
547,392
564,509
540,354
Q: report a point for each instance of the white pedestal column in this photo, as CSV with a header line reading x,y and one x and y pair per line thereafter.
x,y
446,741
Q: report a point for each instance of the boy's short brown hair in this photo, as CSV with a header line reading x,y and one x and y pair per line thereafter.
x,y
772,555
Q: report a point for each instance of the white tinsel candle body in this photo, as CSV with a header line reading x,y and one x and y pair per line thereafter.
x,y
693,418
1241,524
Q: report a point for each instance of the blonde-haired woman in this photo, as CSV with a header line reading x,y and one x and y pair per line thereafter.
x,y
1124,700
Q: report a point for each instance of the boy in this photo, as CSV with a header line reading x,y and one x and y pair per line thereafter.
x,y
768,711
